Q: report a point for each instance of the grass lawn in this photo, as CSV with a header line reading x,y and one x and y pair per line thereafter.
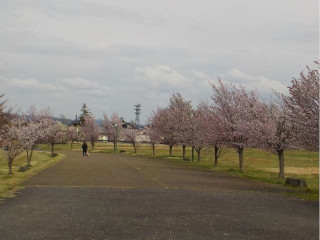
x,y
10,183
258,164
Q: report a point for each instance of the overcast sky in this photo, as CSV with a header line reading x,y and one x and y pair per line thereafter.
x,y
114,54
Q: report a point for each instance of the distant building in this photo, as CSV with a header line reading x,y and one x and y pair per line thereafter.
x,y
130,125
143,137
76,123
103,135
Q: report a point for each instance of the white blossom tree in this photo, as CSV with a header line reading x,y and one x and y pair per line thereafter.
x,y
91,130
303,105
153,136
277,131
131,136
180,111
53,132
33,131
163,121
239,114
11,140
113,128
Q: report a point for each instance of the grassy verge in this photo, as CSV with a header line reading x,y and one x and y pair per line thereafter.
x,y
10,183
259,165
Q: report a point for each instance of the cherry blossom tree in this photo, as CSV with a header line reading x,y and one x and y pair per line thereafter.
x,y
53,132
173,122
181,113
192,132
33,130
199,130
303,105
277,131
238,111
214,133
30,135
131,136
113,128
11,140
153,136
163,122
199,139
91,130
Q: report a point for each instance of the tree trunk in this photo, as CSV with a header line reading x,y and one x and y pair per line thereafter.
x,y
10,160
29,158
216,154
134,147
199,153
184,152
115,146
71,144
153,148
240,153
281,163
170,150
92,144
52,148
192,153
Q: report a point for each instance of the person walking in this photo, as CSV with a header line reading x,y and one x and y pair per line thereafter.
x,y
84,149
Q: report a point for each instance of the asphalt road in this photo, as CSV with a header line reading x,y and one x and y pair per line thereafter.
x,y
120,197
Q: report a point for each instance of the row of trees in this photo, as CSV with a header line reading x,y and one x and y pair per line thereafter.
x,y
116,132
238,118
234,117
24,132
90,130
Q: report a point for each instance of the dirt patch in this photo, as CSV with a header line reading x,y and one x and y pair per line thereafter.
x,y
296,170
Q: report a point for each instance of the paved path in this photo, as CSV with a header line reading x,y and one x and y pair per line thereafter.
x,y
119,197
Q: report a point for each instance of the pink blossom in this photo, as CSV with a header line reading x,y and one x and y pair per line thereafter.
x,y
277,132
239,112
131,136
113,128
91,130
153,135
11,139
53,132
303,105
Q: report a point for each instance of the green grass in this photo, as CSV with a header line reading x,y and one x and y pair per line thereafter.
x,y
10,183
256,163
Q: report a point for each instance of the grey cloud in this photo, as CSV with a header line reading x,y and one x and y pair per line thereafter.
x,y
125,52
78,83
89,8
161,77
262,84
31,84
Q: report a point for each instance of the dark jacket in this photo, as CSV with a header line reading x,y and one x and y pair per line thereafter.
x,y
84,146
